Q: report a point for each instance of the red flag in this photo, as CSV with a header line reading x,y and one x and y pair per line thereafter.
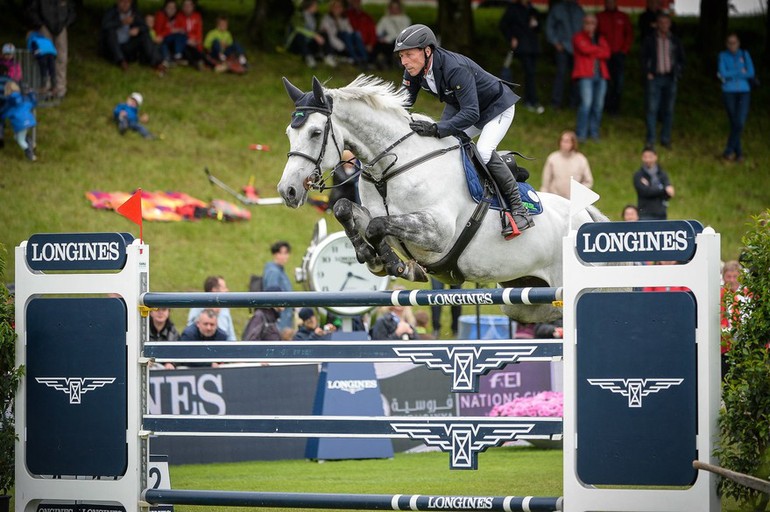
x,y
132,209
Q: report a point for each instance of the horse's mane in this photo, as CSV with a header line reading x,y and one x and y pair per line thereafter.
x,y
375,92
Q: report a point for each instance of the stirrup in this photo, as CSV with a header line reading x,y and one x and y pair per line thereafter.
x,y
510,229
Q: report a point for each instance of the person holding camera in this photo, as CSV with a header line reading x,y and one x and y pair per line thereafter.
x,y
391,325
309,328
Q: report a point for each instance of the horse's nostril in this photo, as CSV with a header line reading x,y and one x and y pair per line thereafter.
x,y
292,192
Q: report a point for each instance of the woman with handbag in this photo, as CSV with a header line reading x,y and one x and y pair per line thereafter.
x,y
736,71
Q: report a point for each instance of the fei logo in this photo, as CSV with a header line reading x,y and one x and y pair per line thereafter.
x,y
75,387
465,363
635,389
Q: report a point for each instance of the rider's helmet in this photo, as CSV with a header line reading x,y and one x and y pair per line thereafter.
x,y
415,36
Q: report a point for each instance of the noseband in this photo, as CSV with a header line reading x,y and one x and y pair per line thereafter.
x,y
316,179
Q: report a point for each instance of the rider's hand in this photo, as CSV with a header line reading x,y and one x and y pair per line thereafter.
x,y
424,128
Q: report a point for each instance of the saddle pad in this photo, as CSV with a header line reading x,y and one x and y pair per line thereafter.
x,y
529,196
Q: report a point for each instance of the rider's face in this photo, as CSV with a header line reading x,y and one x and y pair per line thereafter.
x,y
413,60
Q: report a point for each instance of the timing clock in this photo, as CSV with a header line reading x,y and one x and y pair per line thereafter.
x,y
331,266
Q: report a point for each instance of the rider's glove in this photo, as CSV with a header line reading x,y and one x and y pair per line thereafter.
x,y
424,128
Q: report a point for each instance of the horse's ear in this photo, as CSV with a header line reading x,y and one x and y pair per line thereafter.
x,y
294,93
318,92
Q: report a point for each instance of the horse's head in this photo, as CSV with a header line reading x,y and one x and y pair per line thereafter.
x,y
314,145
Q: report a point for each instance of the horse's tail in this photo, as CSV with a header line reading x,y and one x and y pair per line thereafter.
x,y
596,215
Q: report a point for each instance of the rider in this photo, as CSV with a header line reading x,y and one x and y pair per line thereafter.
x,y
476,103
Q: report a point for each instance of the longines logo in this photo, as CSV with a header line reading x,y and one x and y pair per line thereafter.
x,y
635,389
77,251
75,387
459,299
465,364
463,441
637,241
352,386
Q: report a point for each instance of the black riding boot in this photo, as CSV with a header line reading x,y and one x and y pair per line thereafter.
x,y
508,188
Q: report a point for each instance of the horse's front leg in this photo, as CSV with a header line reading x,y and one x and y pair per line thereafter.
x,y
419,228
355,219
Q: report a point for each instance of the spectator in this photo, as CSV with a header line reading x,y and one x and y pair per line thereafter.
x,y
388,28
341,37
591,54
549,330
630,213
205,328
616,28
8,66
364,24
435,311
19,110
563,165
304,37
53,17
729,313
653,188
391,325
344,180
173,38
263,324
162,329
422,320
565,19
191,23
662,64
125,37
735,70
222,49
519,26
216,284
648,20
309,328
45,54
274,276
149,20
126,116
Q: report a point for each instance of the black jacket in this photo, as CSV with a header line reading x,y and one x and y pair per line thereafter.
x,y
650,55
652,201
473,97
385,328
55,15
111,20
515,23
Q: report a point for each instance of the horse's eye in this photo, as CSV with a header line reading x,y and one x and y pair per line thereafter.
x,y
315,133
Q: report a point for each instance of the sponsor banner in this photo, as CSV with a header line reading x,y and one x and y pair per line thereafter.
x,y
672,240
78,507
77,251
502,386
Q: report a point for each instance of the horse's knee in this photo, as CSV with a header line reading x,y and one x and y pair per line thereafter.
x,y
376,230
343,210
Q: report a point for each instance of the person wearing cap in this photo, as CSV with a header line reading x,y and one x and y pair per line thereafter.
x,y
127,116
53,17
309,328
263,324
476,103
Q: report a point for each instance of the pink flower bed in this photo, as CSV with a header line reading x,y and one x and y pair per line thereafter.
x,y
545,404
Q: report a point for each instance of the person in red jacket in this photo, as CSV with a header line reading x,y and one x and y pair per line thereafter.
x,y
363,24
173,37
191,22
590,71
615,26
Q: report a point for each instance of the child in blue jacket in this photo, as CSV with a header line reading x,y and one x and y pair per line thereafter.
x,y
127,116
45,53
19,110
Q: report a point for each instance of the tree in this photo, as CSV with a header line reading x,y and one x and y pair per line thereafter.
x,y
455,25
712,30
745,419
269,22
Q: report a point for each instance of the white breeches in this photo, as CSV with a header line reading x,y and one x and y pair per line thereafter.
x,y
492,133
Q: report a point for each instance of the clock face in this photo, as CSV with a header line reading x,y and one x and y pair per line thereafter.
x,y
333,268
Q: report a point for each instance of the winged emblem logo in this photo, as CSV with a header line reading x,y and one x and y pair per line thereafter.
x,y
463,441
75,387
635,389
465,364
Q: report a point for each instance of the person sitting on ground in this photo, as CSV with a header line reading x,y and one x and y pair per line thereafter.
x,y
309,328
172,38
223,50
304,37
125,37
341,37
162,329
362,23
388,28
45,54
190,21
19,110
216,284
204,329
263,324
429,67
126,116
149,20
563,165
